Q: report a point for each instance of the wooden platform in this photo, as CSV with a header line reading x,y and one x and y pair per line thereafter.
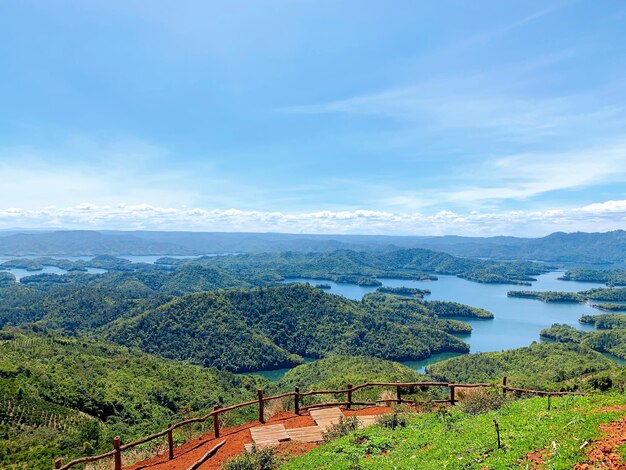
x,y
306,434
326,417
270,435
273,434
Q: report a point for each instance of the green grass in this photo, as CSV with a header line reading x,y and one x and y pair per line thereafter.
x,y
455,440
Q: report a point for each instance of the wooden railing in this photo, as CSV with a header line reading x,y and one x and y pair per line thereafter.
x,y
118,448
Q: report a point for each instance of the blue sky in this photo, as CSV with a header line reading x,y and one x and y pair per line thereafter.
x,y
483,118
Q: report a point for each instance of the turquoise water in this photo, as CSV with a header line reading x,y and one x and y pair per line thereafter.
x,y
517,321
276,374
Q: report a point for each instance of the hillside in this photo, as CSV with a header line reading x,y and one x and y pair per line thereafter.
x,y
579,248
529,434
611,339
544,366
361,267
68,397
275,327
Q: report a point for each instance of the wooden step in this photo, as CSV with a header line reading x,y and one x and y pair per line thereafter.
x,y
326,417
306,434
264,436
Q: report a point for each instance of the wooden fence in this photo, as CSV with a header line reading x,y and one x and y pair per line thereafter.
x,y
297,395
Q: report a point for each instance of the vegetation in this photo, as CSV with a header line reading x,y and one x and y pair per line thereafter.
x,y
365,267
481,400
454,439
577,249
617,294
334,373
345,426
548,296
610,307
6,278
605,321
455,309
545,366
408,291
609,277
68,397
275,327
257,459
612,341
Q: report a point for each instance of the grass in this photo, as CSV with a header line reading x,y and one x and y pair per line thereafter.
x,y
452,439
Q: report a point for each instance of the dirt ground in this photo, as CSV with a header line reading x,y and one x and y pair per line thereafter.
x,y
236,438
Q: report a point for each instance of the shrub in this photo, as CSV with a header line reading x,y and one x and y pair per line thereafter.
x,y
482,400
257,459
343,427
396,419
601,382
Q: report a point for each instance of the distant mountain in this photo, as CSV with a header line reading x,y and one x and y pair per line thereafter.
x,y
83,242
579,248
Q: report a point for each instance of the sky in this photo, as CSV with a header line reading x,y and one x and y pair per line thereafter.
x,y
399,117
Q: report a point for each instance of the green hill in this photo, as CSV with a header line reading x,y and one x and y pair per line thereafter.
x,y
612,341
546,366
68,397
275,327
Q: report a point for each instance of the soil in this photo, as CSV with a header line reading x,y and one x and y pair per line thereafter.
x,y
602,454
236,438
535,457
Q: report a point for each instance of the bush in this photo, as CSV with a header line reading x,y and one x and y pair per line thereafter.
x,y
601,382
343,427
396,419
482,400
257,459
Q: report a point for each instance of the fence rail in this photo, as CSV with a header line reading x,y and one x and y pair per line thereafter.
x,y
261,400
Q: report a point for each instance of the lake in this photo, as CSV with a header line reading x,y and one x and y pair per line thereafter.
x,y
148,259
517,321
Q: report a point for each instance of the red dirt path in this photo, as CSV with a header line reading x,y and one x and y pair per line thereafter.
x,y
602,453
236,438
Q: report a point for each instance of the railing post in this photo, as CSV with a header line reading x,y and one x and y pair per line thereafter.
x,y
504,385
296,401
399,394
117,457
452,397
259,392
216,421
57,463
170,442
349,387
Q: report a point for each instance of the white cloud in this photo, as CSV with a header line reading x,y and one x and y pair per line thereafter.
x,y
602,216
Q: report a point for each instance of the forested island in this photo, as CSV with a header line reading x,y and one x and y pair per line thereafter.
x,y
610,307
406,291
614,294
611,277
548,296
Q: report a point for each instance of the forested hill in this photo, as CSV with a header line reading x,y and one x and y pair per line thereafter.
x,y
365,267
572,248
276,327
63,397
